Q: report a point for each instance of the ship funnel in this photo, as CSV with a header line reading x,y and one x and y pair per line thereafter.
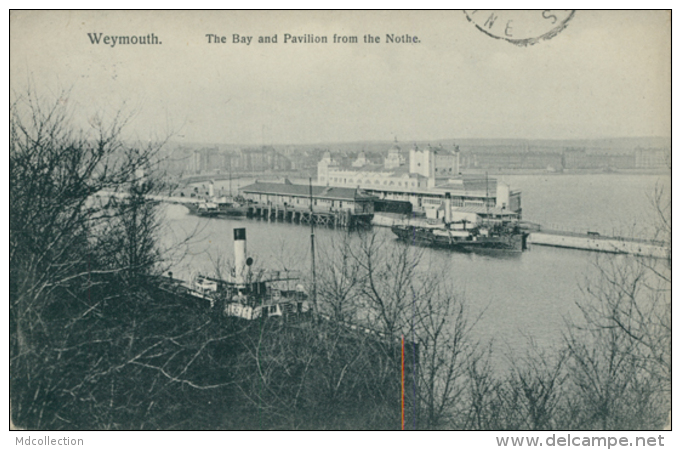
x,y
211,189
448,208
239,254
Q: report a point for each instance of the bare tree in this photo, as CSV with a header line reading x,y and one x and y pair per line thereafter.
x,y
442,331
620,352
399,293
393,283
314,375
340,278
533,391
87,328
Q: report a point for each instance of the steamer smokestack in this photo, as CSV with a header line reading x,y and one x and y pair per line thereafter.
x,y
239,254
448,208
211,189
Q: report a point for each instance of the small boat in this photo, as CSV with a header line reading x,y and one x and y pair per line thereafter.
x,y
222,207
204,208
231,207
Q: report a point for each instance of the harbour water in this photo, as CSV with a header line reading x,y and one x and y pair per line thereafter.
x,y
611,204
520,296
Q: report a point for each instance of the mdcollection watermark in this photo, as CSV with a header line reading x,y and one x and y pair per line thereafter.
x,y
47,441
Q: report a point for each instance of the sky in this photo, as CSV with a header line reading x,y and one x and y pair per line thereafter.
x,y
607,74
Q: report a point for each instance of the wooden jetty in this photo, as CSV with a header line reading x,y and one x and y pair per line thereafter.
x,y
291,214
320,205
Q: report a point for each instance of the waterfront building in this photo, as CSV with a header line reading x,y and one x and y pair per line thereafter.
x,y
424,181
297,196
487,197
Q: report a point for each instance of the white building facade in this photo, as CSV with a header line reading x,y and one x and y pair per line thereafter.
x,y
424,180
426,167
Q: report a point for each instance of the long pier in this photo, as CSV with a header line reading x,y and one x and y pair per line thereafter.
x,y
334,219
275,213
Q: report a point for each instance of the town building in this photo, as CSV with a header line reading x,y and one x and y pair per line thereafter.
x,y
653,158
259,159
426,168
580,158
206,160
511,160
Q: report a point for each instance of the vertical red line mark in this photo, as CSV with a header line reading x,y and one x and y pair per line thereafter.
x,y
403,382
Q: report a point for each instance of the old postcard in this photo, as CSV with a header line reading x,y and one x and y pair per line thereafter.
x,y
341,220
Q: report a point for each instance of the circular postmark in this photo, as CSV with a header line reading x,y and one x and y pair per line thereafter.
x,y
520,27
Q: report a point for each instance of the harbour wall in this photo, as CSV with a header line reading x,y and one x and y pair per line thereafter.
x,y
599,244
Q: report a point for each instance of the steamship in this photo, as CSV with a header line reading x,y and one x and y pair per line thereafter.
x,y
250,294
466,232
497,236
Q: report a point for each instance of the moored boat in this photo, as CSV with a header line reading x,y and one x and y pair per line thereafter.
x,y
505,237
231,207
248,294
203,208
222,207
464,231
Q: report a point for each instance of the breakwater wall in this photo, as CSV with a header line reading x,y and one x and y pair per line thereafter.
x,y
597,243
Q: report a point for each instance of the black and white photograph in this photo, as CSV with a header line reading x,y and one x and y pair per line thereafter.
x,y
341,220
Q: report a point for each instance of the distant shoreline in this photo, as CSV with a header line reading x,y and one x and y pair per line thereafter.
x,y
568,172
204,177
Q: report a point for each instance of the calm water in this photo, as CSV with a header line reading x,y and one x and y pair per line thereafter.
x,y
522,296
605,203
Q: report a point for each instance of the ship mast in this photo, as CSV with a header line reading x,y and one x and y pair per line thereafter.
x,y
230,176
314,272
487,194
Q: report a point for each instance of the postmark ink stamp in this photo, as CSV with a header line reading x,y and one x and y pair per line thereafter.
x,y
521,28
